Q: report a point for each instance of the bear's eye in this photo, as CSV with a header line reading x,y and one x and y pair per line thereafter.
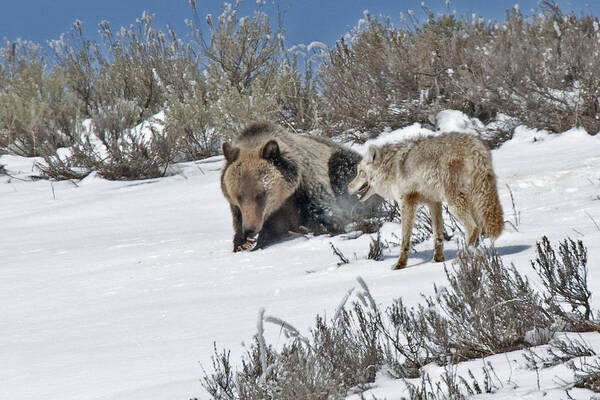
x,y
239,198
259,197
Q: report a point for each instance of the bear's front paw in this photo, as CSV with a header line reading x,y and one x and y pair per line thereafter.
x,y
249,244
238,241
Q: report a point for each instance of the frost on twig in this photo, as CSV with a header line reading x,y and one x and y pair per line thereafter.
x,y
366,293
289,330
260,336
342,303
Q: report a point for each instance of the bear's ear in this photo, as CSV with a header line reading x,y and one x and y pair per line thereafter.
x,y
270,151
230,152
372,154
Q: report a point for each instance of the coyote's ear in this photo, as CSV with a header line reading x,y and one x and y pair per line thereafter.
x,y
372,154
270,151
230,152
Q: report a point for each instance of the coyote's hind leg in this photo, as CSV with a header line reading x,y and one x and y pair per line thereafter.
x,y
437,222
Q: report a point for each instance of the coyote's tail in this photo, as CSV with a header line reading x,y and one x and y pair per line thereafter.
x,y
486,201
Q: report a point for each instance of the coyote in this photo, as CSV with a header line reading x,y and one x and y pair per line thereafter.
x,y
453,167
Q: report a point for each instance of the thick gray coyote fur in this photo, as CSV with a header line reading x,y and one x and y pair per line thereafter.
x,y
452,168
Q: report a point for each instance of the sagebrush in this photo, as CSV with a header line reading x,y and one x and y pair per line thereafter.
x,y
486,308
540,70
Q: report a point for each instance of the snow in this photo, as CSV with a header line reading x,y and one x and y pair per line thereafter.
x,y
456,121
117,290
410,132
556,28
446,121
141,133
511,376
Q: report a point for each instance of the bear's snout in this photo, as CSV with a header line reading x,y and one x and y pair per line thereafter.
x,y
249,232
252,220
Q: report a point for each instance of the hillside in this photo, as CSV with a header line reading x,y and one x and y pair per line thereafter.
x,y
118,289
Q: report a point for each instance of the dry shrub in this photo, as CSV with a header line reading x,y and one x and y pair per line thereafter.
x,y
341,354
376,248
452,386
559,351
587,375
542,70
576,354
191,120
250,73
565,278
207,88
35,111
119,83
384,76
487,308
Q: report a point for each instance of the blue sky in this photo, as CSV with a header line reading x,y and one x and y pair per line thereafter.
x,y
304,20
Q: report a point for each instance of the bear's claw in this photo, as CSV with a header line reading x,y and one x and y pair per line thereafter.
x,y
250,244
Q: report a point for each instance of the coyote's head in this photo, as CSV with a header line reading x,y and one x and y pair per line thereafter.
x,y
364,184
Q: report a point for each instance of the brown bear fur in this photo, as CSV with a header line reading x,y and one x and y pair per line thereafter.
x,y
277,182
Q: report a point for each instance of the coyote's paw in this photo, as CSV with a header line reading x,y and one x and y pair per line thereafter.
x,y
399,265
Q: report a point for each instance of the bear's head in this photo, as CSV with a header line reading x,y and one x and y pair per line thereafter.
x,y
257,180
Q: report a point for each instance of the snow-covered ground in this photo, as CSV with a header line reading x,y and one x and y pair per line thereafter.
x,y
117,290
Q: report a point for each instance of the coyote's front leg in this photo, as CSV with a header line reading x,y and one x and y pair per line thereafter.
x,y
407,210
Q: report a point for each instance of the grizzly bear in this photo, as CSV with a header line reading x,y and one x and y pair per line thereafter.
x,y
278,182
